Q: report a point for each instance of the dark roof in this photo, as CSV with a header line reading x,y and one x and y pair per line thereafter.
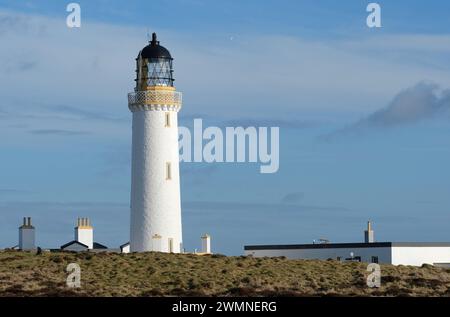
x,y
124,245
73,242
421,244
154,50
97,245
346,245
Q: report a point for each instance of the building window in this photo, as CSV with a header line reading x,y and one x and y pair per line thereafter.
x,y
167,119
168,171
339,258
374,259
353,259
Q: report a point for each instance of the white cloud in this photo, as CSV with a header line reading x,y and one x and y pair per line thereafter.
x,y
433,43
92,68
420,102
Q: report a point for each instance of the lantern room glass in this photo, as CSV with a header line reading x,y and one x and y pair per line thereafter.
x,y
160,72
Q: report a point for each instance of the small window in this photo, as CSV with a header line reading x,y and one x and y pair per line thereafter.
x,y
168,171
374,259
338,258
167,119
170,245
353,259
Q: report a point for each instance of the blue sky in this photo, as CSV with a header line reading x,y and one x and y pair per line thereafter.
x,y
363,116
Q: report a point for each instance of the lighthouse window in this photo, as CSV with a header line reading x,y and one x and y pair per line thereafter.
x,y
168,171
171,245
160,72
167,119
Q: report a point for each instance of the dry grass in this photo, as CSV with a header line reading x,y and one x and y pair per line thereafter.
x,y
160,274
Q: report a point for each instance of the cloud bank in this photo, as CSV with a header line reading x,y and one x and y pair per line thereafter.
x,y
90,70
412,105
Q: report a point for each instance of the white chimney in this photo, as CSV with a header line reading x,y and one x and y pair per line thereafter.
x,y
84,233
26,235
206,243
368,234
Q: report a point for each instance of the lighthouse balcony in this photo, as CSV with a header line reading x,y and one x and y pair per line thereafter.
x,y
155,97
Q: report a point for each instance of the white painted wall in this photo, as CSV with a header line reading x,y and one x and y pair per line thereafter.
x,y
125,249
420,255
155,201
85,236
156,244
396,255
383,253
26,238
206,244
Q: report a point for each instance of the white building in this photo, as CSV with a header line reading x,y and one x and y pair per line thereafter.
x,y
84,232
26,235
206,244
396,253
155,180
79,247
84,239
125,248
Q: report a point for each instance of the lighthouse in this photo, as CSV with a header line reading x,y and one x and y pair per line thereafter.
x,y
155,223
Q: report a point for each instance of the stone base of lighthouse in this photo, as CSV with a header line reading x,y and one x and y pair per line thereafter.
x,y
155,193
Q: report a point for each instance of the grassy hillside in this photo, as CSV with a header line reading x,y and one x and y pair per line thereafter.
x,y
159,274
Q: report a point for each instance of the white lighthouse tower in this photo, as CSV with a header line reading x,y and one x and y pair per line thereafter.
x,y
155,181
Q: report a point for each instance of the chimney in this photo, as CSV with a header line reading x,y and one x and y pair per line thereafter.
x,y
368,234
84,233
206,243
27,235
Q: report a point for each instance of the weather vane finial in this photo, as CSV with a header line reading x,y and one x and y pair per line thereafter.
x,y
154,41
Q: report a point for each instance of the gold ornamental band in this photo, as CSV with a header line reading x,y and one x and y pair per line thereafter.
x,y
155,96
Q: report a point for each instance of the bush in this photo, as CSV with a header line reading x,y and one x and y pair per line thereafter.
x,y
218,256
427,266
241,291
56,259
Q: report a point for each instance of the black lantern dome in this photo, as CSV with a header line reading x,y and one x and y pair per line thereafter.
x,y
154,66
154,50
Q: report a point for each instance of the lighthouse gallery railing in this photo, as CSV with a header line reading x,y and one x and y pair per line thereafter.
x,y
158,97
